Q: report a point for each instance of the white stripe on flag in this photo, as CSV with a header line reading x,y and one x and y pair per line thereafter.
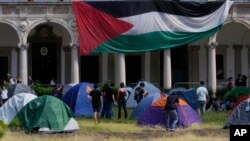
x,y
155,21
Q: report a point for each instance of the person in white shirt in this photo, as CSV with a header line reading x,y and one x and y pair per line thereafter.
x,y
52,82
202,95
11,80
4,94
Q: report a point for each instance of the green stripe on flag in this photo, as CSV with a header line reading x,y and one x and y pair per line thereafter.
x,y
151,41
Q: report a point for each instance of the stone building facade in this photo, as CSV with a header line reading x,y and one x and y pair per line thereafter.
x,y
40,38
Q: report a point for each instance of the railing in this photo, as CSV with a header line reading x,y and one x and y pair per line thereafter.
x,y
188,85
132,85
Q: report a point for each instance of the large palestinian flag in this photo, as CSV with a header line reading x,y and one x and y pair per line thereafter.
x,y
139,26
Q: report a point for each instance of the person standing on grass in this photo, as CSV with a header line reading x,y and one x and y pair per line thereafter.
x,y
121,100
202,98
109,100
105,99
171,113
96,100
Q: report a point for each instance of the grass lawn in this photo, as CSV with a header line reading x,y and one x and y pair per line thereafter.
x,y
126,130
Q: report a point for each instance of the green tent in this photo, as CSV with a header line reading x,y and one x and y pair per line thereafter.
x,y
47,114
237,91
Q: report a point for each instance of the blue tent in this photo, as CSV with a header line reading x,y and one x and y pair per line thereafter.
x,y
144,104
131,103
151,88
240,115
77,99
177,90
188,95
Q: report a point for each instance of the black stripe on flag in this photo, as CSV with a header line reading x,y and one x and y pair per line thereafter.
x,y
120,9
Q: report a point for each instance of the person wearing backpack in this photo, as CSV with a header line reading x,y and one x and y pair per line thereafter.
x,y
121,100
140,92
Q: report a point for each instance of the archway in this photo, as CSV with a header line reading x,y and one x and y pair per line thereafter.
x,y
8,41
44,52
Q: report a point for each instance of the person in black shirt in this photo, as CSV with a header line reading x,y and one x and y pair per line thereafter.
x,y
238,80
121,100
140,92
171,113
96,100
109,94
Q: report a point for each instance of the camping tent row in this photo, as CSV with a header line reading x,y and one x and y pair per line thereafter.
x,y
44,114
78,93
77,97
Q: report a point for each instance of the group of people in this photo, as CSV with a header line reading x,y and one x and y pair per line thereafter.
x,y
4,87
103,100
226,105
241,80
10,80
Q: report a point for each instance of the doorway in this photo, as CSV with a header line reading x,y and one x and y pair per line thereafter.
x,y
90,69
44,62
3,69
133,68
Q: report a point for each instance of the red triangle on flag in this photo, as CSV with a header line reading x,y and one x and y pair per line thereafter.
x,y
96,27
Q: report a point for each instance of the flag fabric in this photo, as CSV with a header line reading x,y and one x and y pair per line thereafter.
x,y
139,26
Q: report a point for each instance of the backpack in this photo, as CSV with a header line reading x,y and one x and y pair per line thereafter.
x,y
122,94
138,93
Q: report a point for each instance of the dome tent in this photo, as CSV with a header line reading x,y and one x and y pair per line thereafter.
x,y
151,88
19,88
77,99
155,114
240,115
47,114
10,108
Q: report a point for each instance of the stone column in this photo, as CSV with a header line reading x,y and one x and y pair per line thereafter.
x,y
147,64
120,69
23,63
212,66
74,64
14,63
62,65
230,62
167,74
244,61
237,59
104,67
